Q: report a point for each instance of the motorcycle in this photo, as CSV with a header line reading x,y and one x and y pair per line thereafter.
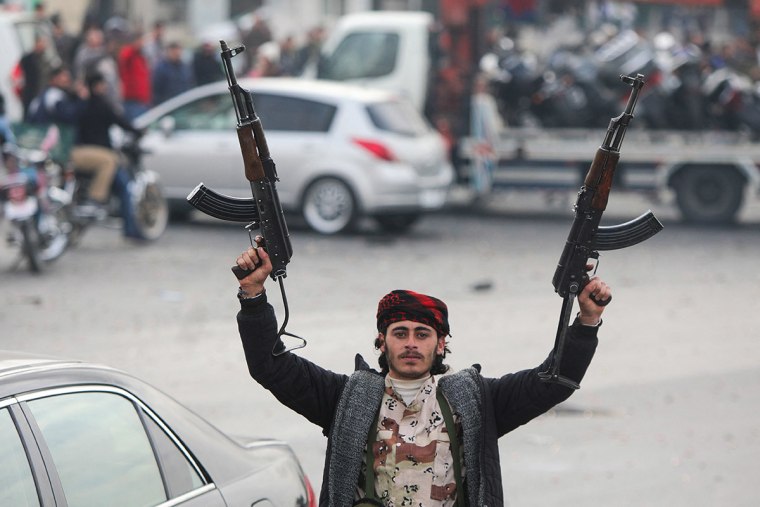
x,y
137,200
35,207
733,102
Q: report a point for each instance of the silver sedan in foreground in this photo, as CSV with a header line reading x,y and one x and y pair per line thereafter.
x,y
73,433
342,152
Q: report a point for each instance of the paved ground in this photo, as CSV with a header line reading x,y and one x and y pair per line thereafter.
x,y
666,416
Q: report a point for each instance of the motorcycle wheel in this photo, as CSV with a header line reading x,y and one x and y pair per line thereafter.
x,y
30,245
54,236
77,231
151,211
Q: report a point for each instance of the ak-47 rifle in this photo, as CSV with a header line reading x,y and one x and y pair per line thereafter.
x,y
587,238
264,211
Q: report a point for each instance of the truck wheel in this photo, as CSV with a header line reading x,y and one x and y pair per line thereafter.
x,y
329,206
709,194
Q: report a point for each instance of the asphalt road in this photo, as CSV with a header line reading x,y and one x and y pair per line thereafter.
x,y
665,417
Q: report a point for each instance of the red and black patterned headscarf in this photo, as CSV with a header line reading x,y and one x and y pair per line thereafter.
x,y
401,305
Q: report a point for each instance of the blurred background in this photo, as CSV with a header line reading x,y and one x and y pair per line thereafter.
x,y
519,94
512,87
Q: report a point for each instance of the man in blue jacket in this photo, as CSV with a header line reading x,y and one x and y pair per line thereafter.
x,y
412,433
171,75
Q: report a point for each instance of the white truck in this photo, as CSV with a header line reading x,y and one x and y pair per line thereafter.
x,y
710,172
381,49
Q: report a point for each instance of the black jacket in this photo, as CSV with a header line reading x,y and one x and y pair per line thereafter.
x,y
96,118
314,392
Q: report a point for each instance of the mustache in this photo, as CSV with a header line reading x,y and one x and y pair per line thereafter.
x,y
415,355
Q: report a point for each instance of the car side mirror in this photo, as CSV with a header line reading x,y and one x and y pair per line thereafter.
x,y
167,125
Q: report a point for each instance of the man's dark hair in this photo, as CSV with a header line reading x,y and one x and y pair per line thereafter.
x,y
93,79
58,69
437,368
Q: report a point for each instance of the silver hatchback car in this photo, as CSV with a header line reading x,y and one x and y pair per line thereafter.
x,y
342,152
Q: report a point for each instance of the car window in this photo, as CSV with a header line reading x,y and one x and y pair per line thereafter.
x,y
100,449
397,117
278,112
214,112
181,477
361,55
17,486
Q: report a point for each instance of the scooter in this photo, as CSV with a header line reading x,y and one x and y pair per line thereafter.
x,y
137,202
36,209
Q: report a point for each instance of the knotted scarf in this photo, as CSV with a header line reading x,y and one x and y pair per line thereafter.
x,y
401,305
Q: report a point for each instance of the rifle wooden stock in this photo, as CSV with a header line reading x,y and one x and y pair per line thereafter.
x,y
254,169
600,176
261,140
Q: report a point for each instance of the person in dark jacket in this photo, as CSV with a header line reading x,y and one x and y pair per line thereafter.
x,y
93,150
412,433
207,67
172,75
66,43
36,68
60,102
64,103
98,116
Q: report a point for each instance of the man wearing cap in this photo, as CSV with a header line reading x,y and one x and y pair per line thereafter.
x,y
413,433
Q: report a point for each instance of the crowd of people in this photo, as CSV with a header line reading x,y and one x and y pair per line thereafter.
x,y
140,69
144,69
112,72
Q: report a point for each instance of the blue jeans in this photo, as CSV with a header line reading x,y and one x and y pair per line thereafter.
x,y
121,188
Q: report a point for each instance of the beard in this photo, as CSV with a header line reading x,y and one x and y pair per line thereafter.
x,y
421,368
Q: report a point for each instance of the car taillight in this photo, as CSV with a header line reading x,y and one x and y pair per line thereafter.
x,y
312,498
377,149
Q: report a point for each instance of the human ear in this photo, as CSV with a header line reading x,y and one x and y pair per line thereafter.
x,y
441,346
381,340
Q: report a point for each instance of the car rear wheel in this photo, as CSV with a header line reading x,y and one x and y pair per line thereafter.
x,y
151,211
329,206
